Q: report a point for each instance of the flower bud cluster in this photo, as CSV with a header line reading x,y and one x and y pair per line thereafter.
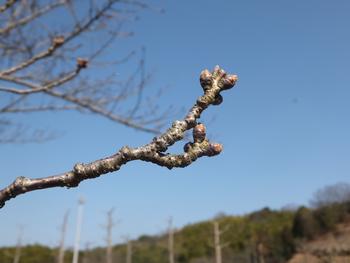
x,y
224,81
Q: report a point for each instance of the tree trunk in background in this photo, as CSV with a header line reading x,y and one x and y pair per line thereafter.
x,y
129,252
109,228
217,243
17,256
78,230
171,241
60,258
260,252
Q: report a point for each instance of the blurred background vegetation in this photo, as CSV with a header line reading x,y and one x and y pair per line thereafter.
x,y
320,230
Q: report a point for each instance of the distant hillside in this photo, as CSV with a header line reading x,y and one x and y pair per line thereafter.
x,y
262,236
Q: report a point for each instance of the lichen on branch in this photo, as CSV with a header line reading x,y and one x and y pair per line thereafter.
x,y
213,83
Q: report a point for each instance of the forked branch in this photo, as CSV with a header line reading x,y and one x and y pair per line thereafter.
x,y
155,152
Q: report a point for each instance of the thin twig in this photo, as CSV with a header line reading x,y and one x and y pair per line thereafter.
x,y
46,53
25,20
7,5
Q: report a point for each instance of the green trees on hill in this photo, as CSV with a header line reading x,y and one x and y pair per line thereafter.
x,y
305,224
309,223
262,236
265,233
29,254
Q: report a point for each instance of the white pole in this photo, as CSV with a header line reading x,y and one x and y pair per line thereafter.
x,y
171,241
78,230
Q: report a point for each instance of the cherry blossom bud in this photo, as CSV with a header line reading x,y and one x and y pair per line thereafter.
x,y
206,79
199,133
82,63
218,100
187,147
228,82
58,41
215,149
218,72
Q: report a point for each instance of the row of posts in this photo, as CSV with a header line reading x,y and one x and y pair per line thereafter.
x,y
109,226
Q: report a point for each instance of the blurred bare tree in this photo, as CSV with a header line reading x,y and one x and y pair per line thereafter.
x,y
45,48
53,59
331,194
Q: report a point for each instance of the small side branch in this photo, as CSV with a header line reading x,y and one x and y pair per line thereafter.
x,y
59,42
34,88
7,5
23,21
155,151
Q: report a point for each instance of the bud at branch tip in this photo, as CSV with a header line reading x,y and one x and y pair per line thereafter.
x,y
82,63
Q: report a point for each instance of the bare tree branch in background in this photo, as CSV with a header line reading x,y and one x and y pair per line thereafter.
x,y
49,50
7,5
331,194
155,151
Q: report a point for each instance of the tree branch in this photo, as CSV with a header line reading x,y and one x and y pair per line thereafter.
x,y
101,111
37,54
60,41
35,88
154,152
7,5
37,13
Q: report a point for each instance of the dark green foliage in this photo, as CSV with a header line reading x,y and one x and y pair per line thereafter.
x,y
29,254
327,218
305,225
194,241
7,254
150,254
309,223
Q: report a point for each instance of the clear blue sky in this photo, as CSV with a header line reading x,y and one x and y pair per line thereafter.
x,y
285,128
